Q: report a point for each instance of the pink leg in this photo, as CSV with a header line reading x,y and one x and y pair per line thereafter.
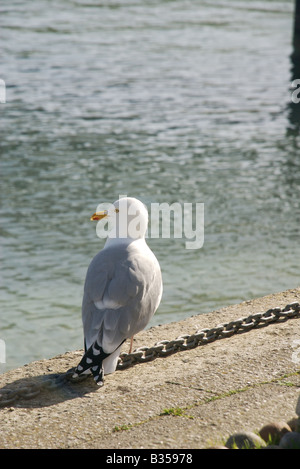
x,y
131,343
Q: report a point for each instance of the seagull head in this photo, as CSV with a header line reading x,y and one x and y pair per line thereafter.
x,y
129,217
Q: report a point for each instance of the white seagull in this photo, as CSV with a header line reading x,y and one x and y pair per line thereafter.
x,y
122,291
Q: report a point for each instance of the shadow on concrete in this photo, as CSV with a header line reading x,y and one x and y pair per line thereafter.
x,y
45,390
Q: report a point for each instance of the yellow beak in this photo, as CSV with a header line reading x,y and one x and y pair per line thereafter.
x,y
99,215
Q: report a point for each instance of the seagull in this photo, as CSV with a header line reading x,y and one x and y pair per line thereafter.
x,y
122,290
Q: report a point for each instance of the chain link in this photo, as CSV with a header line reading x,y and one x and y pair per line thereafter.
x,y
186,342
163,348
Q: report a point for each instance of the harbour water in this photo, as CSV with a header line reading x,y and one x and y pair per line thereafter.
x,y
167,101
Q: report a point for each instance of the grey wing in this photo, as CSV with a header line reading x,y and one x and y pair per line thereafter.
x,y
117,301
96,281
122,291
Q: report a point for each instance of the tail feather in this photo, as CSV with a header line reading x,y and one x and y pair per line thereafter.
x,y
92,360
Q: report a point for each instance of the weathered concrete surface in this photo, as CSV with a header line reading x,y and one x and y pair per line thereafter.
x,y
236,383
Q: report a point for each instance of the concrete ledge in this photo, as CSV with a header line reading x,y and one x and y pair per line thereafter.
x,y
192,399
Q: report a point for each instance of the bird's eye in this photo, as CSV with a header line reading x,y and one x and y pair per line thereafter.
x,y
117,210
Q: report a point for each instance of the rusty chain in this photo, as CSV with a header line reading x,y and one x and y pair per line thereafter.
x,y
163,348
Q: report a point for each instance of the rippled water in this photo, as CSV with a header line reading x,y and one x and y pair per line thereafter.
x,y
166,101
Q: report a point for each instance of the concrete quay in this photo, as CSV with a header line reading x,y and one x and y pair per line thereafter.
x,y
192,399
